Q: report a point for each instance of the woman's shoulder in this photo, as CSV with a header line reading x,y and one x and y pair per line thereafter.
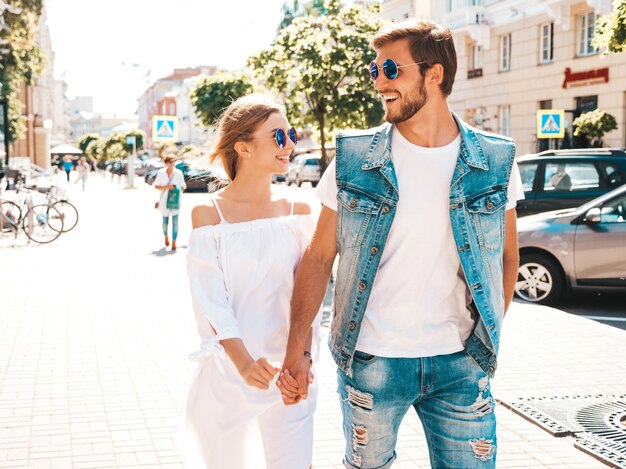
x,y
204,215
300,207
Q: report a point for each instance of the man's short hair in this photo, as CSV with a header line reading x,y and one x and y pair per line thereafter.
x,y
429,42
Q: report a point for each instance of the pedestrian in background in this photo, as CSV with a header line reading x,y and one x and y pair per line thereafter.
x,y
68,166
171,182
422,214
245,245
83,169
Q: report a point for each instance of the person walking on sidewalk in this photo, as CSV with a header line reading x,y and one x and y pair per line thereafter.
x,y
170,180
244,248
68,166
83,169
421,213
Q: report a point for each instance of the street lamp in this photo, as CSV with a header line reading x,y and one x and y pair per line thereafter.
x,y
5,128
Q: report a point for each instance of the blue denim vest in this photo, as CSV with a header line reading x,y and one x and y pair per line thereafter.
x,y
367,198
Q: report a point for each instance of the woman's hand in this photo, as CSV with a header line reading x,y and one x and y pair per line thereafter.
x,y
258,374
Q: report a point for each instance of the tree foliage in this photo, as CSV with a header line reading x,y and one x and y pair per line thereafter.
x,y
593,125
140,138
85,140
319,65
294,9
20,56
214,93
610,34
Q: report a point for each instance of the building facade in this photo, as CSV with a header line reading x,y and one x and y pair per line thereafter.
x,y
160,97
38,105
516,57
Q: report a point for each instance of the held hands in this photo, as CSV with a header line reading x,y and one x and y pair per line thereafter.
x,y
294,380
258,374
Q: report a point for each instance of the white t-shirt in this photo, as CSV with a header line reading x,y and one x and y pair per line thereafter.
x,y
418,306
162,179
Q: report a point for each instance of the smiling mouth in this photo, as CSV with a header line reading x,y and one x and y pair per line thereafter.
x,y
389,97
283,158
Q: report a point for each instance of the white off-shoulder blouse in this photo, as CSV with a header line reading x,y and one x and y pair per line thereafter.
x,y
241,277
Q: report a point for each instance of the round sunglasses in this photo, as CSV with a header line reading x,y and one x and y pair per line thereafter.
x,y
280,137
390,68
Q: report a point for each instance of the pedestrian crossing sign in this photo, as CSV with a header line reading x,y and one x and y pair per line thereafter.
x,y
550,123
165,128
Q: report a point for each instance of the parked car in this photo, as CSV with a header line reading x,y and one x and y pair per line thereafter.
x,y
557,179
304,168
580,248
197,179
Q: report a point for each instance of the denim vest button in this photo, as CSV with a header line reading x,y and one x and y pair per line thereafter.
x,y
351,325
385,209
362,286
374,250
353,203
489,204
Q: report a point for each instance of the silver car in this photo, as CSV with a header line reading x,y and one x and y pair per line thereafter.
x,y
579,248
304,168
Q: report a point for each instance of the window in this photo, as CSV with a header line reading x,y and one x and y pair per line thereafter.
x,y
547,48
172,109
476,57
452,5
505,52
478,3
505,119
586,30
528,171
567,176
614,177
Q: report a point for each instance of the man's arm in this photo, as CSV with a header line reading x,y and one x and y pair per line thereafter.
x,y
309,288
510,257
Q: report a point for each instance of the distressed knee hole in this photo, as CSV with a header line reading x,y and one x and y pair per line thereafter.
x,y
360,399
483,449
359,440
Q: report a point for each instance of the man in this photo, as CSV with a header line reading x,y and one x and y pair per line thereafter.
x,y
421,213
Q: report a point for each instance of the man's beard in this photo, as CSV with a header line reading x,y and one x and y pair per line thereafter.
x,y
409,108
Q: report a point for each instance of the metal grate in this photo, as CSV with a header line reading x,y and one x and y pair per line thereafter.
x,y
596,421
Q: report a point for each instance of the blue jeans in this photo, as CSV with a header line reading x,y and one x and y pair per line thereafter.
x,y
166,221
450,393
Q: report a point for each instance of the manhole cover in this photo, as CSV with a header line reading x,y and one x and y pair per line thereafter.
x,y
598,422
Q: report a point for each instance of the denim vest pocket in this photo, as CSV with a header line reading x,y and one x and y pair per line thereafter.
x,y
355,210
486,212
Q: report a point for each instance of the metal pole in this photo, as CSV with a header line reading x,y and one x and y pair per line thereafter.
x,y
130,166
5,122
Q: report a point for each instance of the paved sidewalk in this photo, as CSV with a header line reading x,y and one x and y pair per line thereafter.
x,y
96,328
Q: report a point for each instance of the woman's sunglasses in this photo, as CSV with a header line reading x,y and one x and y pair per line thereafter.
x,y
280,137
390,68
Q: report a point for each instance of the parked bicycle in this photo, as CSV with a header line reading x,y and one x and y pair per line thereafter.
x,y
40,223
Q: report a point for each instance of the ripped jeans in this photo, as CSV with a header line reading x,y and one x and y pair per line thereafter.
x,y
450,393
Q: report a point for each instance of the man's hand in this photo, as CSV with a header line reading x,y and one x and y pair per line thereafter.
x,y
295,378
259,373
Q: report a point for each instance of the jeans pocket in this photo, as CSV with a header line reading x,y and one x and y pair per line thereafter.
x,y
364,358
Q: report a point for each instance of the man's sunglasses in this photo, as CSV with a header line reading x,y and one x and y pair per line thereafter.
x,y
390,68
280,137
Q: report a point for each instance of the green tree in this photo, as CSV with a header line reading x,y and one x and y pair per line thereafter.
x,y
319,64
593,125
114,147
94,150
85,140
294,9
140,138
610,34
20,56
214,93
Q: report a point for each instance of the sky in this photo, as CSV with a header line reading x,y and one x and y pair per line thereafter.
x,y
95,41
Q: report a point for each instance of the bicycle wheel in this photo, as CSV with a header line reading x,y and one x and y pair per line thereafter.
x,y
10,214
69,214
38,223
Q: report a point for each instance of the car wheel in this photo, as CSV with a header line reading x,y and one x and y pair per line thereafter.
x,y
314,183
539,280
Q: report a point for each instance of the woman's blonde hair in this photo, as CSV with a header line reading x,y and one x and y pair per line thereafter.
x,y
238,123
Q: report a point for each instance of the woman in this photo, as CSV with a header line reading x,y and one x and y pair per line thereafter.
x,y
83,169
68,166
169,179
244,249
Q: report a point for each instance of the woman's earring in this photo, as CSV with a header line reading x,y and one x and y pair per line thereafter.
x,y
248,155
